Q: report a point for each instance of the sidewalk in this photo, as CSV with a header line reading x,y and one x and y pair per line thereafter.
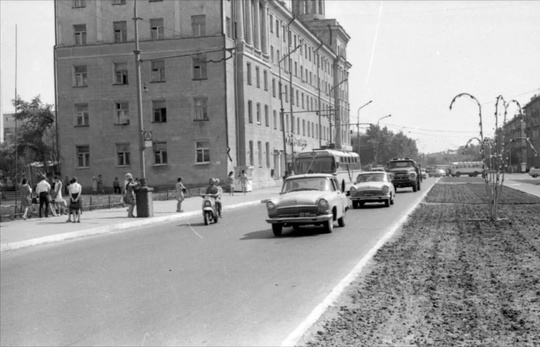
x,y
35,231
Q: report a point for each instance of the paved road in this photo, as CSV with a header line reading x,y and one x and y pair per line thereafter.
x,y
183,283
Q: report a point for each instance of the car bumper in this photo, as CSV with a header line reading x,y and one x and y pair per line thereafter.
x,y
407,183
301,220
371,198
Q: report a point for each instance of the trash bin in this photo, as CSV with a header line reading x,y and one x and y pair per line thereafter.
x,y
145,200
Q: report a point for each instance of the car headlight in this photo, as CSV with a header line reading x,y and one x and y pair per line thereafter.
x,y
352,190
412,175
270,205
323,205
385,189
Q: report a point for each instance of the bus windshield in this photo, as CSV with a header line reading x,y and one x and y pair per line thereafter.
x,y
315,165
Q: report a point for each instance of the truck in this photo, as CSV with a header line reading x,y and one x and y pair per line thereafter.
x,y
405,173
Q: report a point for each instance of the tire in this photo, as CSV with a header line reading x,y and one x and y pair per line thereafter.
x,y
206,218
328,226
458,174
534,176
391,200
341,221
387,203
276,229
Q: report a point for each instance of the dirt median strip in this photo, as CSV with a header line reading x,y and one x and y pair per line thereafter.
x,y
451,276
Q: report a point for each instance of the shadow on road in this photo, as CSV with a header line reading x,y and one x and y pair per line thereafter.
x,y
306,231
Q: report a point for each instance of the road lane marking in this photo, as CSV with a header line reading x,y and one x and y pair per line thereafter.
x,y
295,336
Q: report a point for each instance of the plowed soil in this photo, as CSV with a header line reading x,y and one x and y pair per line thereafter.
x,y
451,276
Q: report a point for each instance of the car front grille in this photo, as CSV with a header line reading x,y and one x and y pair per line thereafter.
x,y
402,176
298,211
368,193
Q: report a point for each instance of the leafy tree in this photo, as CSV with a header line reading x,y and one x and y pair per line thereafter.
x,y
389,145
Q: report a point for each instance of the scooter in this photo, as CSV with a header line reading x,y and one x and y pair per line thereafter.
x,y
209,209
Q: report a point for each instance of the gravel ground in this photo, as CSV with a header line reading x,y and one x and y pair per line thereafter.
x,y
449,277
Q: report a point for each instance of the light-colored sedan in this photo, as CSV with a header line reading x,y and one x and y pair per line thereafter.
x,y
373,187
534,172
311,199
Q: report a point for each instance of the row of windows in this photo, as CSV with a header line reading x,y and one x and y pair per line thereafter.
x,y
123,154
157,71
121,113
157,30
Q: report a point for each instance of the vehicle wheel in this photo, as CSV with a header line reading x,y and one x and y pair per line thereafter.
x,y
414,188
534,176
206,217
277,228
458,174
328,226
341,221
387,203
391,200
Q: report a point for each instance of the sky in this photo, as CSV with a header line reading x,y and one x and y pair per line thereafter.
x,y
410,58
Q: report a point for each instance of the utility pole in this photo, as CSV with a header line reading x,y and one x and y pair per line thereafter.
x,y
137,52
358,125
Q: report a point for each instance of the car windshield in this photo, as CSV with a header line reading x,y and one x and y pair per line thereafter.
x,y
374,177
312,183
400,164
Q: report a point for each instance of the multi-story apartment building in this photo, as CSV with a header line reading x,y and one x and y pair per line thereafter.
x,y
217,78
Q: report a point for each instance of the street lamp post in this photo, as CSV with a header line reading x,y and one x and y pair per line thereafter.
x,y
358,125
378,142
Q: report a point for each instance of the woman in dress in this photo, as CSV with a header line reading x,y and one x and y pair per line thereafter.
x,y
243,180
129,195
75,203
58,199
26,197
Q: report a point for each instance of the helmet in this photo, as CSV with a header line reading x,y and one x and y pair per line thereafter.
x,y
211,180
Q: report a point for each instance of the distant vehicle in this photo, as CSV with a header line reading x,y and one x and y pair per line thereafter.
x,y
534,172
424,174
378,168
406,173
373,186
312,199
343,165
467,168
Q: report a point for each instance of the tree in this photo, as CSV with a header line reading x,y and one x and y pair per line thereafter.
x,y
36,137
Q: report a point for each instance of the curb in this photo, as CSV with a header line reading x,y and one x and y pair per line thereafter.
x,y
110,228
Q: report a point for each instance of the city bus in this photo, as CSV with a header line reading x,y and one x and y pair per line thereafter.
x,y
469,168
344,165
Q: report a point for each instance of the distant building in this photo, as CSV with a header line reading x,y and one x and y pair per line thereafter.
x,y
211,76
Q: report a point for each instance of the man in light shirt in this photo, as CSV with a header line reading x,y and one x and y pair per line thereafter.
x,y
43,189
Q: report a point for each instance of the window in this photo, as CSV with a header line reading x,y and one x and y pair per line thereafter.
x,y
271,54
120,73
259,113
80,78
248,68
120,31
81,115
273,87
257,77
268,154
118,2
228,28
265,80
79,32
122,113
201,106
83,156
122,154
160,153
271,20
79,3
259,153
157,31
266,116
198,25
251,153
199,67
159,111
277,28
158,71
303,127
274,114
202,152
250,111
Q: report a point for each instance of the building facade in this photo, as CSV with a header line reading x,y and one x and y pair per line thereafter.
x,y
217,77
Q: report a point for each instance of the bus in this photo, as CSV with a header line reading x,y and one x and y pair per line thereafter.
x,y
469,168
344,165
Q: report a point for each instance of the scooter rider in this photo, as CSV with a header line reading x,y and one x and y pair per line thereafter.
x,y
218,196
211,189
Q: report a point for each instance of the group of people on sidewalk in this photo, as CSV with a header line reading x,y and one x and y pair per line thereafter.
x,y
49,198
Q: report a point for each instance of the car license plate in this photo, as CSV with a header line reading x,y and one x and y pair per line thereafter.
x,y
306,214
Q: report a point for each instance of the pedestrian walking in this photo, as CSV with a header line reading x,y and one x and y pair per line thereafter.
x,y
243,180
230,183
100,188
218,197
43,190
26,197
129,195
180,190
116,186
94,185
75,202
